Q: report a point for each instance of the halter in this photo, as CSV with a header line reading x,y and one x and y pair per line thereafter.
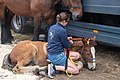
x,y
70,5
88,41
91,59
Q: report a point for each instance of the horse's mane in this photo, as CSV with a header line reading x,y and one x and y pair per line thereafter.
x,y
55,2
66,3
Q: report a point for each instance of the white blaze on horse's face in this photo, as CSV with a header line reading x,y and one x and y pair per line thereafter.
x,y
92,66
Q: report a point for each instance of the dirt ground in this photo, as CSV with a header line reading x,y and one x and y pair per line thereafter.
x,y
108,66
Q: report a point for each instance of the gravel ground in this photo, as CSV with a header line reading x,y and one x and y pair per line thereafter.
x,y
108,66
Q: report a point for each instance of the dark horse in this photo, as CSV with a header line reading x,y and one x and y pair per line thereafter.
x,y
38,9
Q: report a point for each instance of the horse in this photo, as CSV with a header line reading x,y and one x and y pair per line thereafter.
x,y
38,9
27,53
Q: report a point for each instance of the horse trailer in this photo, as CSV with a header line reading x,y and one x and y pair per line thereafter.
x,y
101,18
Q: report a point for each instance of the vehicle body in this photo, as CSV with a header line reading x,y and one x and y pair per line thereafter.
x,y
100,18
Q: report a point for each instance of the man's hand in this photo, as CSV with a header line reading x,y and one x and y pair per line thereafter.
x,y
70,40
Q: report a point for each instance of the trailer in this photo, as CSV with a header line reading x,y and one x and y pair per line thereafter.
x,y
101,18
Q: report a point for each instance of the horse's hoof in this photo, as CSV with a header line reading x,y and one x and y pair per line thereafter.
x,y
42,73
79,65
14,71
38,72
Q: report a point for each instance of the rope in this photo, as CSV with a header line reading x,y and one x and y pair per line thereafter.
x,y
69,75
68,57
71,60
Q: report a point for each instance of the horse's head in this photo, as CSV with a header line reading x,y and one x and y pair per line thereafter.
x,y
86,46
88,52
75,8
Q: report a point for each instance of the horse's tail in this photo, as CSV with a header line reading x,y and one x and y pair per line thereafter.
x,y
7,62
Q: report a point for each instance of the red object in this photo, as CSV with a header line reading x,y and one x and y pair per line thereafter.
x,y
67,52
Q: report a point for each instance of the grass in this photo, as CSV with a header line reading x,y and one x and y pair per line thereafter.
x,y
21,36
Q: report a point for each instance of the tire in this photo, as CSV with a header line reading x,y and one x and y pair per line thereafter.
x,y
18,24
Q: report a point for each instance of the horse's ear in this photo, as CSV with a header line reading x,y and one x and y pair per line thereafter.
x,y
94,38
66,3
93,41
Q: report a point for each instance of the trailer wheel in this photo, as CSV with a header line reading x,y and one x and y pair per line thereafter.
x,y
18,24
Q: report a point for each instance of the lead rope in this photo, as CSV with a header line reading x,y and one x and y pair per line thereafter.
x,y
66,65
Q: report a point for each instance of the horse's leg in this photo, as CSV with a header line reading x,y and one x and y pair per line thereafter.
x,y
22,62
33,70
25,59
50,22
8,23
6,36
37,28
21,67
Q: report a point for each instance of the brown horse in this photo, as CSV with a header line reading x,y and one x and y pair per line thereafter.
x,y
38,9
27,52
